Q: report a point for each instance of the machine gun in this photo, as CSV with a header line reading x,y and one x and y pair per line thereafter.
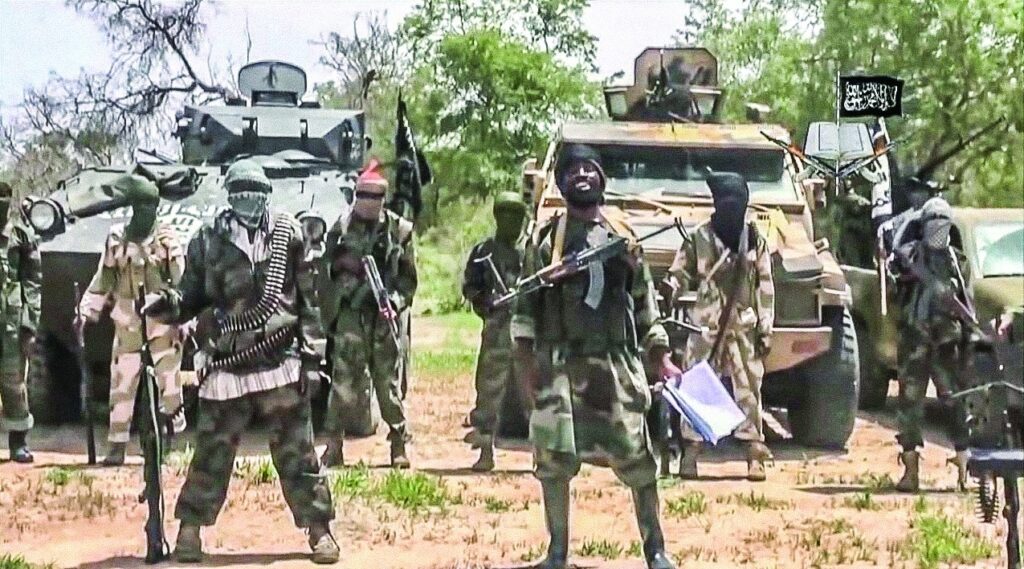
x,y
380,294
85,388
150,438
575,263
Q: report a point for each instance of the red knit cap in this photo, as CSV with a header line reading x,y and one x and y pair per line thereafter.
x,y
371,179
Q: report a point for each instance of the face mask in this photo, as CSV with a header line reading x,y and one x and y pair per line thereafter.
x,y
935,233
509,226
368,206
249,207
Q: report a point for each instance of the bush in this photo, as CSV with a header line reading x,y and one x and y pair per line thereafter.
x,y
441,253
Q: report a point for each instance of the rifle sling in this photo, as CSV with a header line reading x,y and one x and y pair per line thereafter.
x,y
738,268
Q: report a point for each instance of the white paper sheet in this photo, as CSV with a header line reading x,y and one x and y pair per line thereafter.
x,y
703,401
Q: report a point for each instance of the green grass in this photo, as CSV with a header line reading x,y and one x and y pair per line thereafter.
x,y
600,548
58,476
447,362
494,505
877,482
8,561
415,491
179,460
692,503
441,253
255,471
938,540
756,502
861,501
352,482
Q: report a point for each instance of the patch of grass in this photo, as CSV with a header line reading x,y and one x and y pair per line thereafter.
x,y
58,476
600,548
876,482
352,482
920,505
689,504
255,471
939,540
861,501
533,554
756,502
8,561
442,251
179,460
447,362
696,553
415,491
635,549
493,505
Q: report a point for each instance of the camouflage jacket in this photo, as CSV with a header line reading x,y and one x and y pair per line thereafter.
x,y
390,241
223,280
478,281
926,285
627,316
20,275
703,263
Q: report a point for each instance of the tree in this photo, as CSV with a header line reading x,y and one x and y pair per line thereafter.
x,y
371,47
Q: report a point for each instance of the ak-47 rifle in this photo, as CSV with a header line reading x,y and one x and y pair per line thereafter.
x,y
380,294
577,262
151,440
85,387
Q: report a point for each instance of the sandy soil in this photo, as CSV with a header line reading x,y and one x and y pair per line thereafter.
x,y
811,513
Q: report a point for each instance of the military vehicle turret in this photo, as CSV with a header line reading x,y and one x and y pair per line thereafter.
x,y
310,154
665,130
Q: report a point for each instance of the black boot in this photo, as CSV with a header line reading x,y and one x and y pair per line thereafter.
x,y
19,447
645,500
556,516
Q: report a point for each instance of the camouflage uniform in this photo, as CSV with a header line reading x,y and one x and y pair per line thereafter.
x,y
364,356
20,277
155,263
702,263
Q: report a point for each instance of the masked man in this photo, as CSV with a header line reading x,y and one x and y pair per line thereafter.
x,y
143,252
726,260
934,336
578,343
20,278
257,331
364,355
494,367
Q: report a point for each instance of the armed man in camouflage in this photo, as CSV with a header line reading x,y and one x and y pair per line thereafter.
x,y
144,252
494,366
578,343
364,355
935,333
258,329
20,278
736,308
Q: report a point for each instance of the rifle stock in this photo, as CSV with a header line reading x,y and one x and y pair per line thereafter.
x,y
380,294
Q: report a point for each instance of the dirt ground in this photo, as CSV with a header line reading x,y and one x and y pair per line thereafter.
x,y
834,509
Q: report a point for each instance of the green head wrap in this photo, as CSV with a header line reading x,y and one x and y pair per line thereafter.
x,y
137,190
246,175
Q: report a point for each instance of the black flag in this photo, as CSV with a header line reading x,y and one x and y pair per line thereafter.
x,y
411,171
870,96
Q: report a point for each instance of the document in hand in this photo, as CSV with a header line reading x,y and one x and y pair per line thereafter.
x,y
699,396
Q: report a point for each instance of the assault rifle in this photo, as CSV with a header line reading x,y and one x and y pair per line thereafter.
x,y
150,439
85,388
380,294
575,263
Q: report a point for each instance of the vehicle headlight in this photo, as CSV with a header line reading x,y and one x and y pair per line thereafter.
x,y
313,227
44,215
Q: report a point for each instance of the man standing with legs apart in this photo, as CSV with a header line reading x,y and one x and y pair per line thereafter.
x,y
726,260
257,332
364,354
20,279
578,343
494,366
146,253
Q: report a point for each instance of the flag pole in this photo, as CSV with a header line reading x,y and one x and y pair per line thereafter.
x,y
839,138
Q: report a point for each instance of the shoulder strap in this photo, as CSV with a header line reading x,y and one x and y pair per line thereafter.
x,y
559,246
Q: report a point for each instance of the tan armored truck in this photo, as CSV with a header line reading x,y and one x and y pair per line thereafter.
x,y
663,133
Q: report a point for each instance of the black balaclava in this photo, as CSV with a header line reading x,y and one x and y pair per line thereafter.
x,y
731,195
579,176
6,195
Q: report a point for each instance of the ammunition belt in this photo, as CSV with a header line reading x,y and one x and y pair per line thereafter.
x,y
273,343
258,315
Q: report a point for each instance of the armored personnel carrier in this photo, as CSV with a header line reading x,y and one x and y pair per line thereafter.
x,y
310,154
665,130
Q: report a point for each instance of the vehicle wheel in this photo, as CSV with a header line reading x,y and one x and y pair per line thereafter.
x,y
53,383
874,378
824,414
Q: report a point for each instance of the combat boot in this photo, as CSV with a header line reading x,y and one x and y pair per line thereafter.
x,y
325,548
398,458
115,456
556,517
19,447
189,547
910,482
645,501
757,454
486,461
334,454
959,460
688,461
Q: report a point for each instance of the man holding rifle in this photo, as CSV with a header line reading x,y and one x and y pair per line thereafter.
x,y
578,342
935,332
367,281
144,252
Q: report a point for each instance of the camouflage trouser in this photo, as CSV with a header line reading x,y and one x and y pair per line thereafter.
x,y
592,406
742,371
494,373
919,361
14,369
364,355
125,371
286,414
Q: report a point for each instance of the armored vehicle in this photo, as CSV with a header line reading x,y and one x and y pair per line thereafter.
x,y
310,154
663,134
